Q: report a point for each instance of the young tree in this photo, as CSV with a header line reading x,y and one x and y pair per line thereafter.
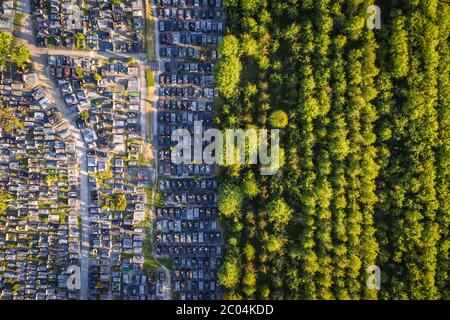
x,y
250,186
249,252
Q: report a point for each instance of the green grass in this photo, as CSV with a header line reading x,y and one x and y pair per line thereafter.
x,y
80,42
150,263
62,215
150,77
148,191
18,20
51,42
167,262
126,255
175,295
159,199
150,35
142,161
104,175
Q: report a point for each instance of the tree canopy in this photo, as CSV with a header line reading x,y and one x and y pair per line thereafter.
x,y
11,51
365,145
230,199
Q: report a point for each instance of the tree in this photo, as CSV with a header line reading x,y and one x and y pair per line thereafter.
x,y
228,75
274,244
119,202
230,3
250,7
150,78
399,48
10,51
6,41
80,40
8,120
79,72
228,70
84,115
278,212
20,54
249,281
249,46
250,186
265,292
278,119
229,46
229,274
292,32
249,252
230,199
51,179
4,199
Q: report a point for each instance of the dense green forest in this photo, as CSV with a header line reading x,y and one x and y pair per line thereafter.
x,y
364,119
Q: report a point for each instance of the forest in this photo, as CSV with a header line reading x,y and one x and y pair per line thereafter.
x,y
365,151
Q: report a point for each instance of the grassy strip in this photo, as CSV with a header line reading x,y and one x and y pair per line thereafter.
x,y
150,34
167,262
150,77
150,263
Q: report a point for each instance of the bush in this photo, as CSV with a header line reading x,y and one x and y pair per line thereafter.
x,y
84,115
51,179
79,72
